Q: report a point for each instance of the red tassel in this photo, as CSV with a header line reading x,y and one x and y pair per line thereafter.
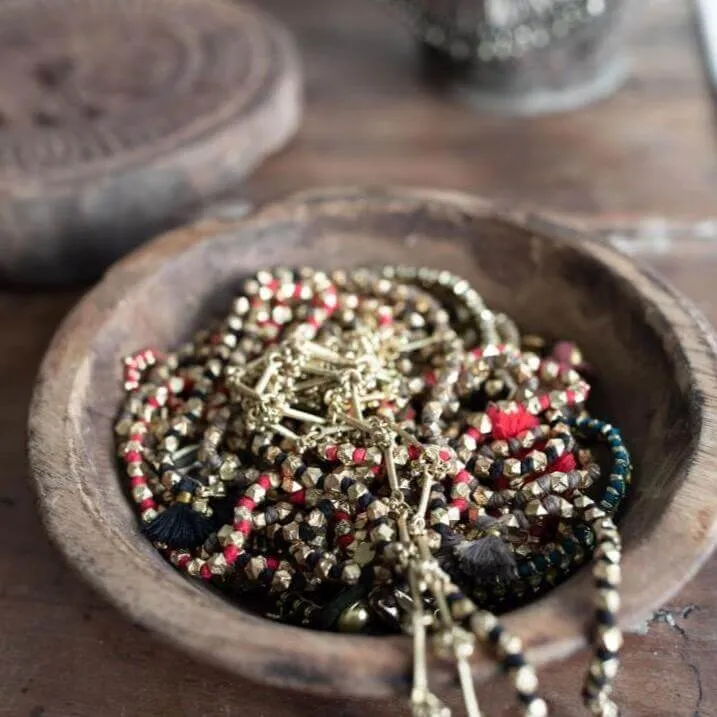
x,y
509,425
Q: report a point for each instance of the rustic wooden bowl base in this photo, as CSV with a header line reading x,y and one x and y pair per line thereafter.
x,y
656,360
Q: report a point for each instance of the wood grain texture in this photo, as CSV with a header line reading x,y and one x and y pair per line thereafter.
x,y
658,382
650,149
119,118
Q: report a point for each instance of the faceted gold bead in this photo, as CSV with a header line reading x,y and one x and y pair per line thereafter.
x,y
608,600
301,553
609,552
525,679
374,456
141,492
482,623
289,485
610,573
324,566
559,482
377,509
291,531
313,496
332,483
611,638
594,513
460,490
345,453
535,509
149,515
194,566
241,512
501,448
255,492
453,514
433,539
511,468
482,466
610,668
218,564
255,567
540,461
135,469
382,532
510,644
356,490
311,477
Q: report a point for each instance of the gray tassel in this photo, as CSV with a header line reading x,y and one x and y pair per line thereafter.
x,y
486,559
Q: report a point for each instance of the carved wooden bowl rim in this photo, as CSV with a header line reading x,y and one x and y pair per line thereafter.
x,y
136,580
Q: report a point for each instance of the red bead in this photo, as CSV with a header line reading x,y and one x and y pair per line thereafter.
x,y
243,526
359,455
298,498
331,453
445,455
246,502
264,481
205,572
564,464
344,541
132,457
462,477
474,433
137,480
461,504
272,563
147,504
414,451
182,561
231,553
340,515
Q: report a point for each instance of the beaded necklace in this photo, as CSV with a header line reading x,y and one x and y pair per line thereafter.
x,y
377,450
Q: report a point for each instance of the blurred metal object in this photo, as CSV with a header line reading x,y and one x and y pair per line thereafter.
x,y
520,57
496,29
707,22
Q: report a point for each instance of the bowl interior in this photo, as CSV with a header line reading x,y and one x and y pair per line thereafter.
x,y
548,282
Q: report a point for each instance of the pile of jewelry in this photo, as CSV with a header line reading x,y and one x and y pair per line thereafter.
x,y
374,450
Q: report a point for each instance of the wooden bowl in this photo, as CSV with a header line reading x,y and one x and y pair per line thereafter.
x,y
657,366
118,119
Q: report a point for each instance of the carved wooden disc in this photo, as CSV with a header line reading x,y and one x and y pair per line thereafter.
x,y
118,117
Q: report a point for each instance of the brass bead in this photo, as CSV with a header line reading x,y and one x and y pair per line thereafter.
x,y
355,618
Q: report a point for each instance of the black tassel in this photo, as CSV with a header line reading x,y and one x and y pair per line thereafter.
x,y
486,559
179,526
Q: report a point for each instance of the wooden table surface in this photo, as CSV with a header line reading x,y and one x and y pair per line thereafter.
x,y
640,168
